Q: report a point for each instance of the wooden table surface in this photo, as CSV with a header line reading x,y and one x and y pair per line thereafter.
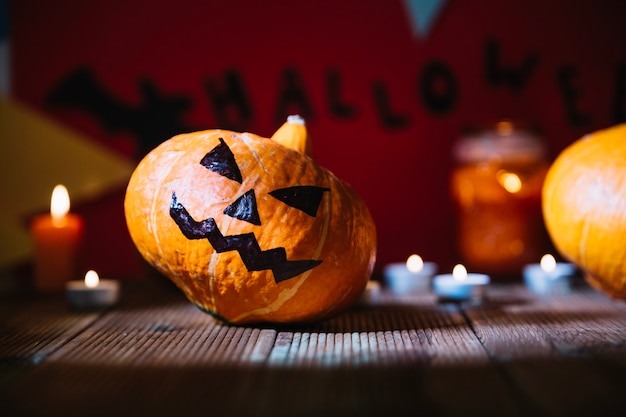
x,y
155,354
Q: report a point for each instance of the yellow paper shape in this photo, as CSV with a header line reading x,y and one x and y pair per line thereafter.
x,y
36,153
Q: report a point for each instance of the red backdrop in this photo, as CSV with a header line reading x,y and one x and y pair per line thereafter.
x,y
383,105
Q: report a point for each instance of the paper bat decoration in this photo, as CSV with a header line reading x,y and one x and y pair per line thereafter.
x,y
157,118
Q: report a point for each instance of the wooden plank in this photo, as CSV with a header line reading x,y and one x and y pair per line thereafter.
x,y
416,331
397,357
516,355
563,354
164,357
151,354
167,334
518,324
31,329
259,349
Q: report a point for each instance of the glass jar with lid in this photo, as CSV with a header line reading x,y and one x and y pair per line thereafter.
x,y
496,186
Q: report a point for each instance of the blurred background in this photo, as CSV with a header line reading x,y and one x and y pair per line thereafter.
x,y
388,89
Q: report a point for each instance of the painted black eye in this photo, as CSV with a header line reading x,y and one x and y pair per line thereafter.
x,y
306,198
222,161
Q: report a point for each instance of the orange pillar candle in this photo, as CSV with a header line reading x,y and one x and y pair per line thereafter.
x,y
56,237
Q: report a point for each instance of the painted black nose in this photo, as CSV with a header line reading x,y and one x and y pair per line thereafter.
x,y
244,208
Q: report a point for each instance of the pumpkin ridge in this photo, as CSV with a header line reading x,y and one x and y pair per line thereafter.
x,y
154,212
582,241
246,140
282,298
211,268
326,227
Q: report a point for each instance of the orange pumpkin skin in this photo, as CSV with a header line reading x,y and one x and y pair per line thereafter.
x,y
341,236
584,207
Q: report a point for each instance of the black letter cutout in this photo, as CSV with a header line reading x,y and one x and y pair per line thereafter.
x,y
337,107
230,103
498,74
292,93
438,87
386,115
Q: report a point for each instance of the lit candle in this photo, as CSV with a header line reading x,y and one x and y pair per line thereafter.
x,y
56,237
412,276
549,276
460,286
92,293
496,186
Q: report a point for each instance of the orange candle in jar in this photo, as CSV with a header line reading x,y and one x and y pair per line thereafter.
x,y
497,190
56,238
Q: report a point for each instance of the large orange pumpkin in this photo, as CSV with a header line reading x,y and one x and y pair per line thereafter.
x,y
584,207
251,229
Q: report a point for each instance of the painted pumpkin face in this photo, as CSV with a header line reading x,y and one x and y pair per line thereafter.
x,y
249,229
306,198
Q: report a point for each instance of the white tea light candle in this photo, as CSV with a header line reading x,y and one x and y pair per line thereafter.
x,y
549,277
414,275
460,285
92,293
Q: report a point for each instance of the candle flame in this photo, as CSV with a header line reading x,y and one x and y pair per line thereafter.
x,y
509,181
59,203
91,279
547,263
459,273
415,263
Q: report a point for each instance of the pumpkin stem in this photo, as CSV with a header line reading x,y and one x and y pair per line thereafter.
x,y
294,134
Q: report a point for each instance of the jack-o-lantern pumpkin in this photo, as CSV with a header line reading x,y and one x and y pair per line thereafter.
x,y
251,229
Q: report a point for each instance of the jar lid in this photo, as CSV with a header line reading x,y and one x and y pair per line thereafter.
x,y
504,141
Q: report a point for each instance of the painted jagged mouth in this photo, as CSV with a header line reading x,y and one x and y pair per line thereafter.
x,y
253,257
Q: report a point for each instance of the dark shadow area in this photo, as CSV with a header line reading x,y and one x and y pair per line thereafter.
x,y
74,389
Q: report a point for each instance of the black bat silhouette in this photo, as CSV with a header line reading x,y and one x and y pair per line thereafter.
x,y
155,119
